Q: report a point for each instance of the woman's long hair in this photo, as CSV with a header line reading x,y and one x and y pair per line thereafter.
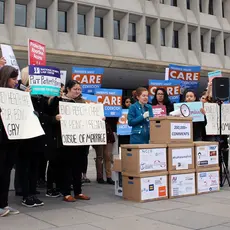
x,y
7,72
166,100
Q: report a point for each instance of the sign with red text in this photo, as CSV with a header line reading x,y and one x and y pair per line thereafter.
x,y
189,76
90,78
112,101
159,111
36,53
172,87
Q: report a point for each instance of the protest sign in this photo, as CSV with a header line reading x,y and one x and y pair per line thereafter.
x,y
122,126
63,74
8,54
112,101
82,124
189,76
90,78
159,111
18,116
36,53
212,75
194,108
44,80
172,87
89,98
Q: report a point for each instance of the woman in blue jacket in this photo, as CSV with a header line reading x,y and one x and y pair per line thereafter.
x,y
138,118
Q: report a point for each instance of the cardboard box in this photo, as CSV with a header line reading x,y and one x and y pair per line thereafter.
x,y
117,165
206,154
137,159
168,130
147,187
118,183
182,184
208,180
181,157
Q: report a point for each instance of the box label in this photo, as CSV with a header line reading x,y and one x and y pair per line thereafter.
x,y
154,187
180,131
181,158
207,155
208,181
153,159
183,184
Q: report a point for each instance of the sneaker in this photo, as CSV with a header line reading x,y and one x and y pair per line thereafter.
x,y
100,181
29,202
53,193
110,181
37,201
69,199
13,211
85,180
4,212
82,197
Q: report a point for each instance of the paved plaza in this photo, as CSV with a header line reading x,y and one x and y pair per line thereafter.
x,y
106,211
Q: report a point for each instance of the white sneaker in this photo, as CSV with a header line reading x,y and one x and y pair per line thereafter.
x,y
12,211
4,212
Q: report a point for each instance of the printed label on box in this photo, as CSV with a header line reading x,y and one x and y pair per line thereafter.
x,y
207,155
180,130
183,184
181,158
153,159
208,181
154,187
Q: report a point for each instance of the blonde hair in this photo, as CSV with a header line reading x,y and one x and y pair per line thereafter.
x,y
25,76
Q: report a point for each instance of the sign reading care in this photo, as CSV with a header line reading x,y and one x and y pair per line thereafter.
x,y
18,116
122,126
82,124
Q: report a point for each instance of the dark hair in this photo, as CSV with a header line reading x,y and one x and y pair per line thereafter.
x,y
189,91
70,84
124,100
7,72
140,90
166,100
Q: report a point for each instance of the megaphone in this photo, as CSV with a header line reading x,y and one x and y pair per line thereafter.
x,y
183,111
176,113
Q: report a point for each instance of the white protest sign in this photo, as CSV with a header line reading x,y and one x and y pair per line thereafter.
x,y
18,116
8,54
63,74
82,124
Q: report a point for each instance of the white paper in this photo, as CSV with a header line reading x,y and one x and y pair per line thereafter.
x,y
180,131
63,74
82,124
154,187
181,158
118,183
153,159
207,155
183,184
208,181
18,116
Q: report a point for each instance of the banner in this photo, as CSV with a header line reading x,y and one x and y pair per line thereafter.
x,y
212,75
36,53
18,116
63,74
89,98
159,111
194,110
122,126
112,101
8,54
189,76
82,124
172,87
44,80
90,78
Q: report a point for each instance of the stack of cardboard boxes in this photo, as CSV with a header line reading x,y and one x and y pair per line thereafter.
x,y
172,165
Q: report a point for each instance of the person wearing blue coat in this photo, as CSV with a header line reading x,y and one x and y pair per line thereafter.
x,y
138,118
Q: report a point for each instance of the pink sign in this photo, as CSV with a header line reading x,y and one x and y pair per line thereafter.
x,y
36,53
159,111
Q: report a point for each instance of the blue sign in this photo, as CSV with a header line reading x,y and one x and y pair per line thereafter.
x,y
112,101
90,78
89,98
122,126
44,80
194,109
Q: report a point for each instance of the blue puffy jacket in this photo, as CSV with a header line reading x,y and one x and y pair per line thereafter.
x,y
140,125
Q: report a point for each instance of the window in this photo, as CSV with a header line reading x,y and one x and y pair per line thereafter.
x,y
189,41
20,15
116,29
225,48
202,43
2,12
162,36
173,2
162,1
148,34
200,3
98,27
212,46
223,9
188,4
210,7
62,21
41,18
132,32
81,25
175,39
